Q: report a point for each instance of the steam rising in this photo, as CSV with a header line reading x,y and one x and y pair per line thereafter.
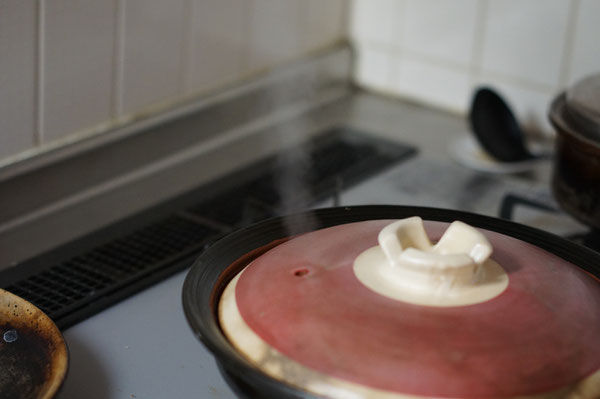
x,y
294,164
293,180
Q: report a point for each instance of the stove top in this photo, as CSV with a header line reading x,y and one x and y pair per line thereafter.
x,y
86,276
546,206
148,253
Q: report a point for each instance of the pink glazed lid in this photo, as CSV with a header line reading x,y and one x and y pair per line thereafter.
x,y
304,303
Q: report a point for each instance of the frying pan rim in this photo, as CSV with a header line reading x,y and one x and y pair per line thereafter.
x,y
57,335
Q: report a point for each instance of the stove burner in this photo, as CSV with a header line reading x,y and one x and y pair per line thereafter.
x,y
590,238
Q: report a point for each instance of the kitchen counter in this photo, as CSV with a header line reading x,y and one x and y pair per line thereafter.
x,y
142,348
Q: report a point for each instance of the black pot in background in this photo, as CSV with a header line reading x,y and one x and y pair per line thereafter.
x,y
575,114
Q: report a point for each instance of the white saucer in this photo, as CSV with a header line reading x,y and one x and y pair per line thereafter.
x,y
467,151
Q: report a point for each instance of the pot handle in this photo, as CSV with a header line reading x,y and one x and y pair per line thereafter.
x,y
406,266
405,243
398,236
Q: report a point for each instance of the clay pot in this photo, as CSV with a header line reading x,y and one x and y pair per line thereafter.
x,y
364,305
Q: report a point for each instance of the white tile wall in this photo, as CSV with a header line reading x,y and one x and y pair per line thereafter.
x,y
439,29
76,64
373,67
18,75
97,63
153,52
437,52
525,39
275,32
434,84
76,61
586,41
218,42
325,24
376,21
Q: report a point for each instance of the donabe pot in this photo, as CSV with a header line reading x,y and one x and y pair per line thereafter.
x,y
219,264
575,114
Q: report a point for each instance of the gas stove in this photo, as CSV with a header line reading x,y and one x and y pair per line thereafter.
x,y
115,291
142,347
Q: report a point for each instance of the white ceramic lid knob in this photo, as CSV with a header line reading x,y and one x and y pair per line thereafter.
x,y
456,271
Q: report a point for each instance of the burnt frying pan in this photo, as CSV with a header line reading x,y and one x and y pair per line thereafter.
x,y
33,353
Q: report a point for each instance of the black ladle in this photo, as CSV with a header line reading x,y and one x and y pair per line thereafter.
x,y
496,127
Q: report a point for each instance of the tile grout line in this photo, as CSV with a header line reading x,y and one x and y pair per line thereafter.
x,y
241,46
396,51
348,23
39,76
247,59
455,67
395,69
477,51
187,48
520,82
345,18
303,25
118,60
565,63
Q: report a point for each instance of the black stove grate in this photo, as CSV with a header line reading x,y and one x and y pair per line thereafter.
x,y
589,238
316,170
71,284
74,282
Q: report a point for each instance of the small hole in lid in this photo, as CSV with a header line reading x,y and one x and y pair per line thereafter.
x,y
301,272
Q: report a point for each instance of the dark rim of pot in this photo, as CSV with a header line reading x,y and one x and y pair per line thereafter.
x,y
205,282
570,122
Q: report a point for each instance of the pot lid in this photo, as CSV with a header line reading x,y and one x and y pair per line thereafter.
x,y
584,99
305,313
577,110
